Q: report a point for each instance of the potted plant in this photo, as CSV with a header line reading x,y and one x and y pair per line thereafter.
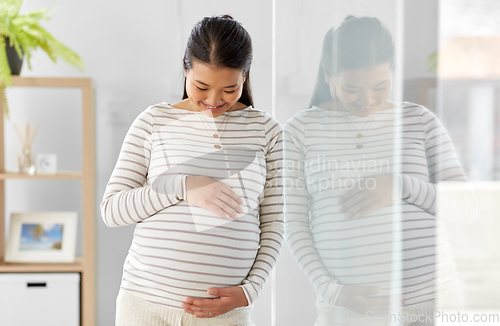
x,y
23,33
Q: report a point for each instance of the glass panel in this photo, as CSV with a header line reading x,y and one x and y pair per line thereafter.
x,y
384,145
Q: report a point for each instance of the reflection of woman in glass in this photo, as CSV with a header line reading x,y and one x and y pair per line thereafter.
x,y
352,162
201,181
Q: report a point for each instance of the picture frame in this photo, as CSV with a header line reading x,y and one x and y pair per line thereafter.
x,y
42,237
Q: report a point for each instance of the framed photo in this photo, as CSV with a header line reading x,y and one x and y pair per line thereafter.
x,y
42,237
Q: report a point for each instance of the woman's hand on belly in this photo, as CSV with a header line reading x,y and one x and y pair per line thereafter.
x,y
356,298
228,299
368,195
213,195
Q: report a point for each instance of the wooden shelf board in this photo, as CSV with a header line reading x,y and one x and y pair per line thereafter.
x,y
60,175
41,267
51,82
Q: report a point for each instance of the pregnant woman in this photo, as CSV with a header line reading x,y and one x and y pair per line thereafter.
x,y
361,194
201,180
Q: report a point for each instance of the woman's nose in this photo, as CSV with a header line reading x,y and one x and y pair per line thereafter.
x,y
213,100
365,99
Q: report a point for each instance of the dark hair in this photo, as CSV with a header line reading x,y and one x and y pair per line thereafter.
x,y
223,42
359,42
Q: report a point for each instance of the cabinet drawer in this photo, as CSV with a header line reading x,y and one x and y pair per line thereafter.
x,y
480,288
40,299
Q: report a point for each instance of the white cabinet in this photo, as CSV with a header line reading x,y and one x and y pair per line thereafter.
x,y
40,299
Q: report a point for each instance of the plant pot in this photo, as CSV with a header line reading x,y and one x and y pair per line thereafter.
x,y
15,63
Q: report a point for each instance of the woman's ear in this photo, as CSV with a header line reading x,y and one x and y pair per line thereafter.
x,y
183,65
328,79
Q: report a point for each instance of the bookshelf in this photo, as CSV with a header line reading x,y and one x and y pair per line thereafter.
x,y
85,264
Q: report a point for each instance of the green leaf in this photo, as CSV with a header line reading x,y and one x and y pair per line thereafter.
x,y
26,35
3,98
432,61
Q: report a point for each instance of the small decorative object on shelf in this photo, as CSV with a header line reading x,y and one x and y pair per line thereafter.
x,y
48,237
26,162
25,159
46,163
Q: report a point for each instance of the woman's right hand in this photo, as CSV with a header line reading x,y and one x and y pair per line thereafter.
x,y
213,195
357,298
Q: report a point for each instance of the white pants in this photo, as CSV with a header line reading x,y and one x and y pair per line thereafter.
x,y
417,315
132,310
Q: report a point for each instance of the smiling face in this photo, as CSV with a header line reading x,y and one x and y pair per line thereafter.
x,y
362,91
213,90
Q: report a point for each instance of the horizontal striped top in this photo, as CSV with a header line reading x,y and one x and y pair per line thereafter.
x,y
323,161
180,250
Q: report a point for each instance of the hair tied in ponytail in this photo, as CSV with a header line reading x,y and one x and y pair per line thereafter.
x,y
350,17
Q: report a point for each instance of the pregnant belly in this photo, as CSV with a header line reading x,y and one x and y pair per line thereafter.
x,y
172,258
367,251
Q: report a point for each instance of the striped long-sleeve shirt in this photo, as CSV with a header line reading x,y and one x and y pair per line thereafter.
x,y
180,250
325,157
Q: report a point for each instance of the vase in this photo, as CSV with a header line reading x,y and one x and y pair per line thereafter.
x,y
26,162
15,63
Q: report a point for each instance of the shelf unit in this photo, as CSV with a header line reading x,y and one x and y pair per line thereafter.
x,y
85,265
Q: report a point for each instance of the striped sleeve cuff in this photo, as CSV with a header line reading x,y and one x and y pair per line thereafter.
x,y
419,193
401,191
172,189
406,186
250,292
181,194
330,293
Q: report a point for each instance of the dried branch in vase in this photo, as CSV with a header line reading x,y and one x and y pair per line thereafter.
x,y
25,159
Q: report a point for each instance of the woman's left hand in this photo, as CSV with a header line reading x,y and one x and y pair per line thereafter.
x,y
228,299
366,196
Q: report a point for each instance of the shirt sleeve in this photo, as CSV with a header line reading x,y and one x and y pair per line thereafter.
x,y
270,215
297,223
128,198
443,165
